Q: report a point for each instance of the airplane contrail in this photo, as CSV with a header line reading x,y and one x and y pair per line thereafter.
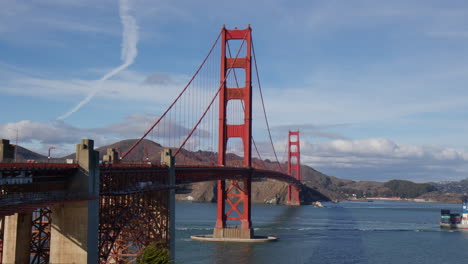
x,y
128,53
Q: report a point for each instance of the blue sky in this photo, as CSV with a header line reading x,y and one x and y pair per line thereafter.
x,y
377,88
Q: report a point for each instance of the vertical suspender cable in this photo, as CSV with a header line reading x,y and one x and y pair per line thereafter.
x,y
177,98
211,103
243,109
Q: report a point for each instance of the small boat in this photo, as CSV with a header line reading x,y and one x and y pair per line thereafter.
x,y
455,220
318,204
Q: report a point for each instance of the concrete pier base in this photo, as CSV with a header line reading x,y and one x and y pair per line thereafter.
x,y
17,227
233,233
69,234
293,203
17,237
255,239
75,226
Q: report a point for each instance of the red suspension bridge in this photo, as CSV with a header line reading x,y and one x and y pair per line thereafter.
x,y
108,212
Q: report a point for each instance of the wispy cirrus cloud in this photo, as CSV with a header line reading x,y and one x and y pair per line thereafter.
x,y
419,17
448,34
157,87
128,54
375,91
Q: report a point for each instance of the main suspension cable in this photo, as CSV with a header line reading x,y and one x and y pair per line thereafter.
x,y
263,105
177,98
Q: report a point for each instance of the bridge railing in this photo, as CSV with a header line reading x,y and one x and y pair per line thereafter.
x,y
26,201
25,165
30,173
122,179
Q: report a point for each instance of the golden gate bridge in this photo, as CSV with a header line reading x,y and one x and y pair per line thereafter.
x,y
108,212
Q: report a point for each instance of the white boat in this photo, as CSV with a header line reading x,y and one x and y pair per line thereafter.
x,y
455,221
318,204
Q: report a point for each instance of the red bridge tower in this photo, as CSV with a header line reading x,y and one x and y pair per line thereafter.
x,y
236,195
294,166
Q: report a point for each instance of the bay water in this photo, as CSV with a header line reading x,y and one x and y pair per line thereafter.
x,y
346,232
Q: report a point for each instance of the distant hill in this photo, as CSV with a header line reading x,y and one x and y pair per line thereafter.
x,y
264,191
23,154
460,187
341,189
448,191
318,186
146,148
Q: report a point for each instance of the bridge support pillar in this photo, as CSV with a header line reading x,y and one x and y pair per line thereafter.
x,y
17,237
75,226
293,195
111,156
169,160
7,151
237,195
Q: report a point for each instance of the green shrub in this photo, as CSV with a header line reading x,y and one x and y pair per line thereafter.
x,y
154,253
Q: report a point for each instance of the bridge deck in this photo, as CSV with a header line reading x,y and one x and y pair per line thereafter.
x,y
26,186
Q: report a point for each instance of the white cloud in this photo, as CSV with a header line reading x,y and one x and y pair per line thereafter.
x,y
385,148
384,159
381,159
40,135
367,159
128,54
315,131
372,93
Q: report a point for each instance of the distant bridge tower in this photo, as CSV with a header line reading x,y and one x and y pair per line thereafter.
x,y
294,166
237,194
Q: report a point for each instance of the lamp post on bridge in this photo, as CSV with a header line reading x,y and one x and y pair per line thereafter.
x,y
48,156
118,153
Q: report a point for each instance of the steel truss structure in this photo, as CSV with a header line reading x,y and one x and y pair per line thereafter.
x,y
237,194
129,219
133,212
40,236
